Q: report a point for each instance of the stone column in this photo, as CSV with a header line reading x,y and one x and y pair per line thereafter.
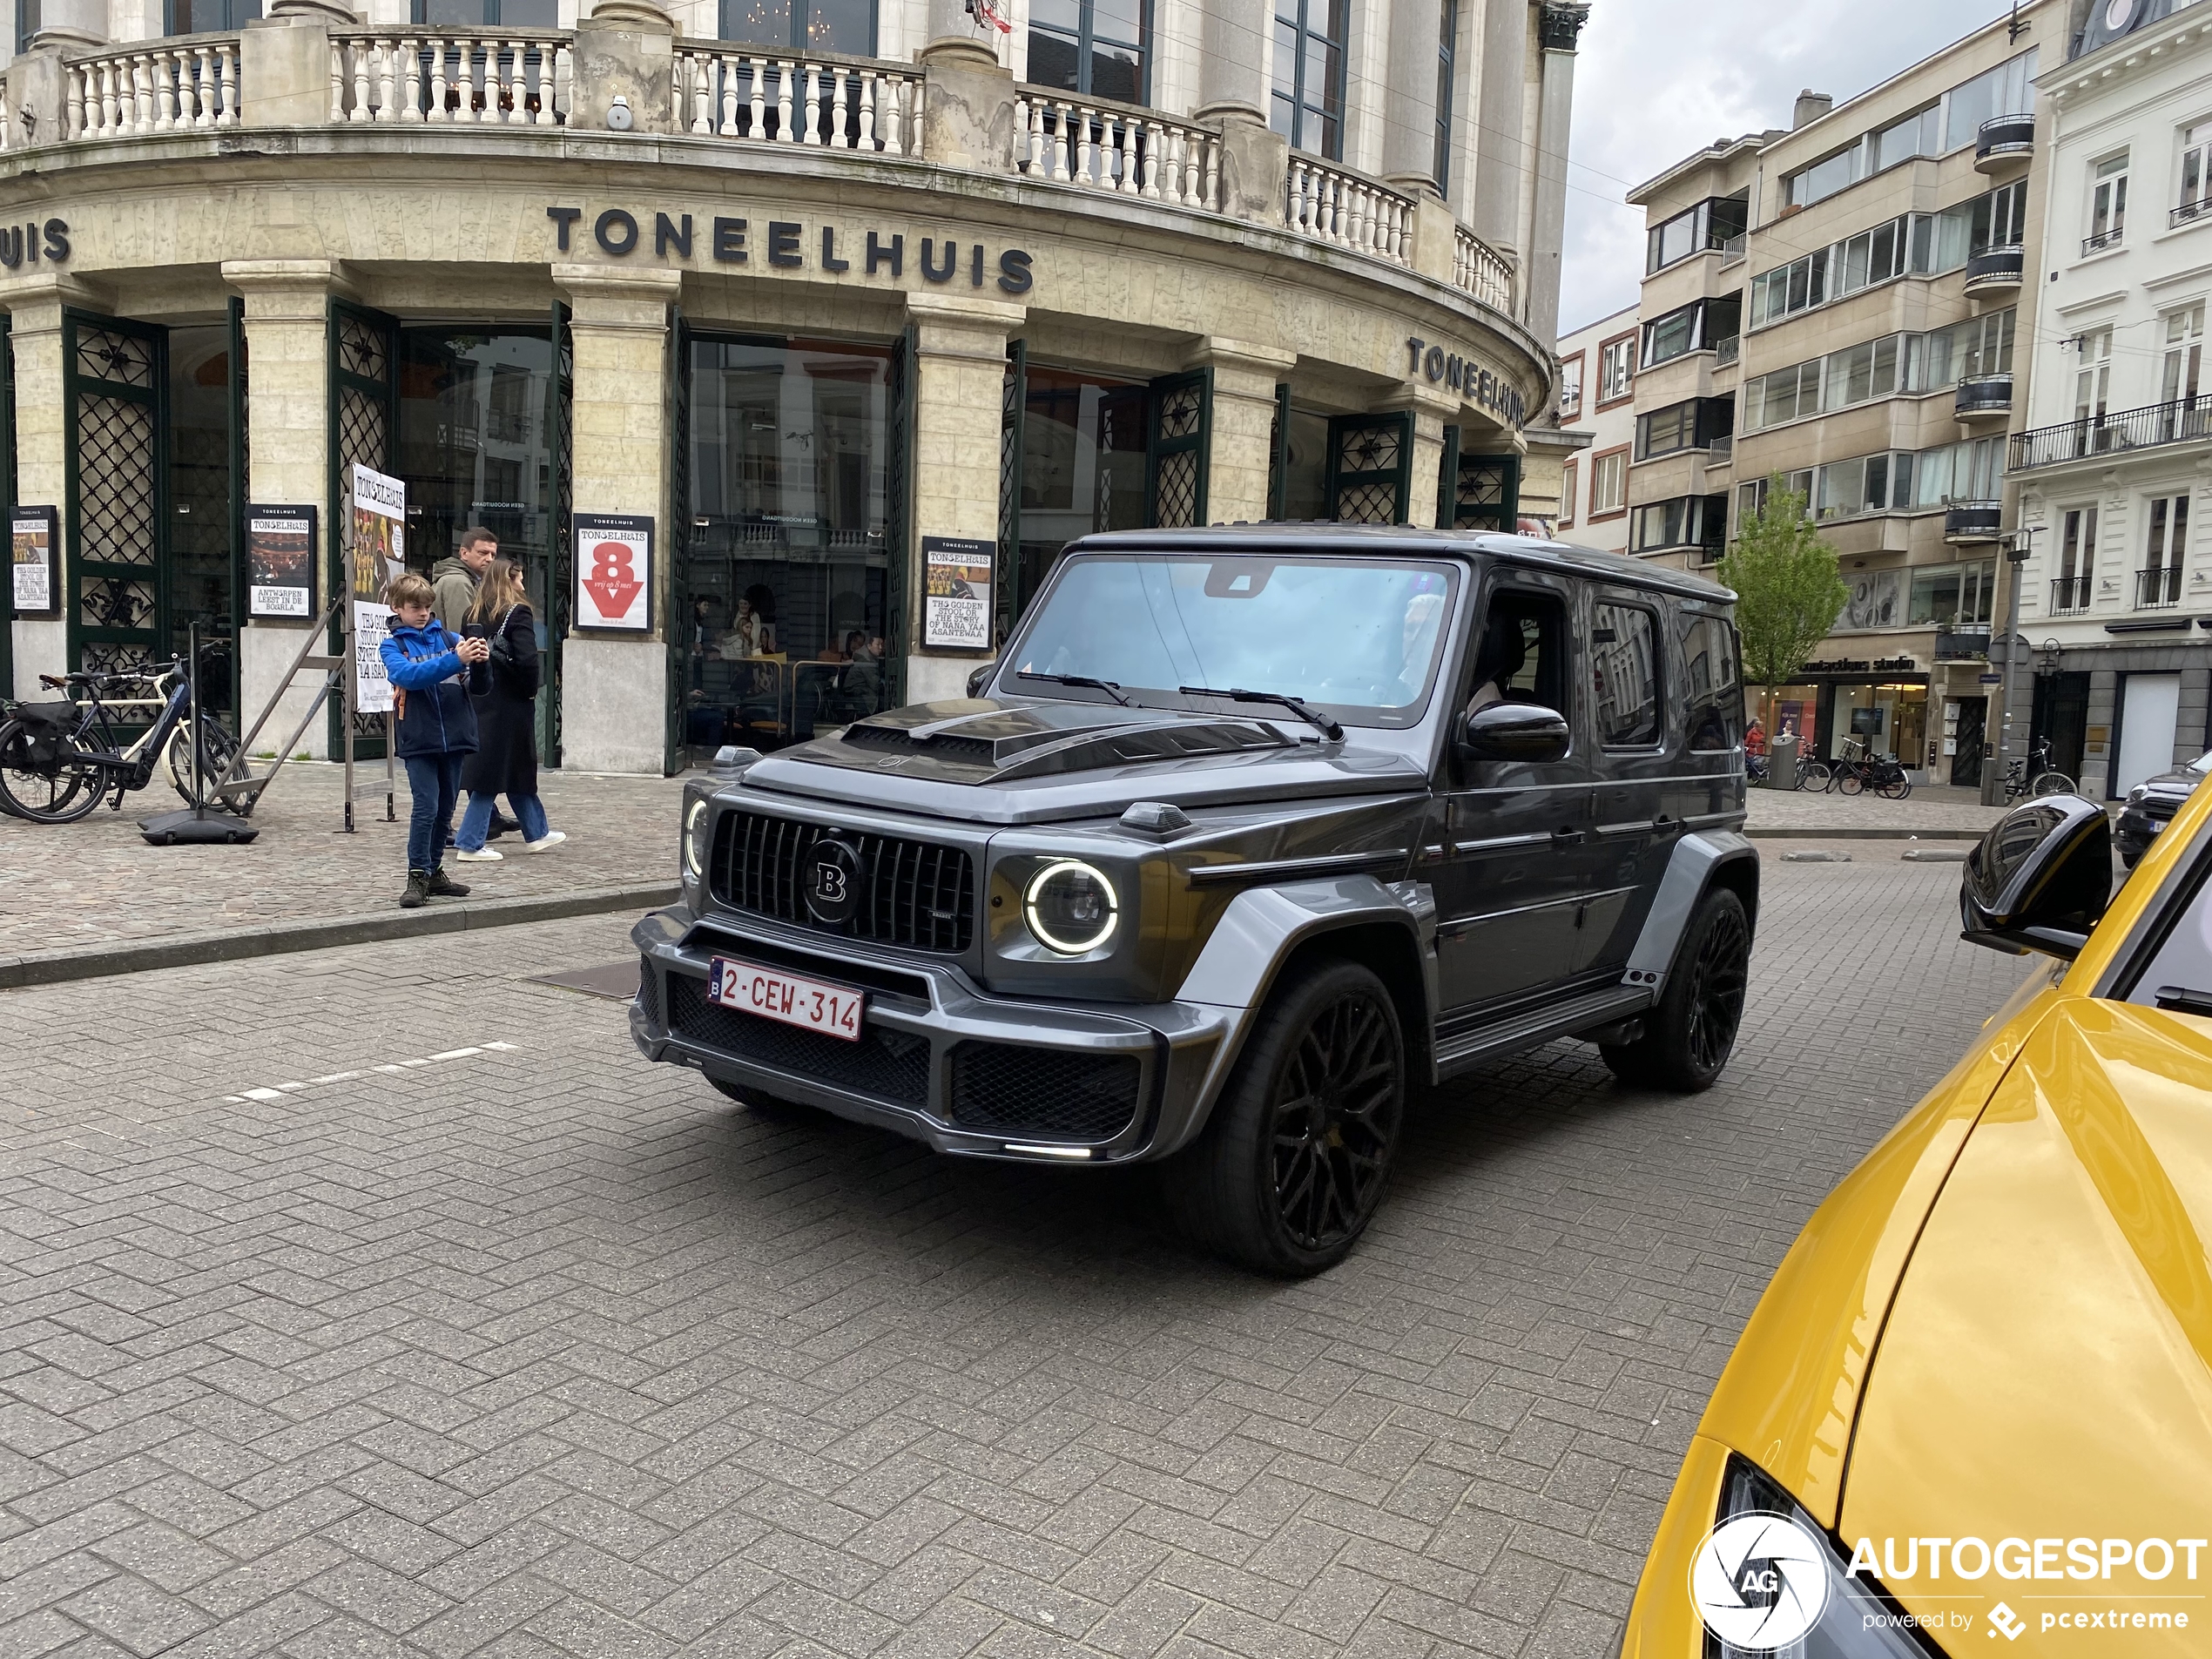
x,y
1499,111
1240,453
1409,115
34,305
72,25
1432,411
284,70
1232,95
958,409
626,49
1558,28
614,691
287,406
968,113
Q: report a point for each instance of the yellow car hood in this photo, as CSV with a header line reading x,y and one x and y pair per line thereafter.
x,y
2045,1369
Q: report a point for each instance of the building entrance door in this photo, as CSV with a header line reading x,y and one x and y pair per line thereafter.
x,y
1971,734
2150,706
2062,716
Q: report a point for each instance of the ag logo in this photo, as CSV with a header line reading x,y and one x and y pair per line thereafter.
x,y
833,883
1760,1581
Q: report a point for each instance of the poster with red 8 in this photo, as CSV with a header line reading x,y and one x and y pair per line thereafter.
x,y
614,572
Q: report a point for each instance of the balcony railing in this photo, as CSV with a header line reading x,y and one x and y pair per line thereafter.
x,y
1974,521
2070,595
1732,250
1965,642
397,76
2101,434
1983,394
1999,267
2158,588
1720,451
1727,350
2004,139
2188,212
2102,239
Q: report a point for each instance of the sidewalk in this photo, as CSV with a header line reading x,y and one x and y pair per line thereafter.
x,y
74,897
1931,812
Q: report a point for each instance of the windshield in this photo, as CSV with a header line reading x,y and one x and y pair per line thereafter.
x,y
1357,638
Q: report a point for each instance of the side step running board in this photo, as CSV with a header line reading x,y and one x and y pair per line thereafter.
x,y
1533,1027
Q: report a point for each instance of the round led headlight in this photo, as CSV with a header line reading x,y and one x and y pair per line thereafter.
x,y
695,839
1070,908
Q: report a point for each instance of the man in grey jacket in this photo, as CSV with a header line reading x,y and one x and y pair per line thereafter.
x,y
453,579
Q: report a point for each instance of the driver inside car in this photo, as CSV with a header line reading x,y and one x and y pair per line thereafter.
x,y
1504,650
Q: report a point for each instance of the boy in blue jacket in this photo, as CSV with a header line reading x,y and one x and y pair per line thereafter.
x,y
437,725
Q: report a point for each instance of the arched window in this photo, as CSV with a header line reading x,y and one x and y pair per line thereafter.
x,y
1095,47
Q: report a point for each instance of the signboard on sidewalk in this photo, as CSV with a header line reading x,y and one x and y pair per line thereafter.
x,y
614,573
375,553
279,563
957,592
34,560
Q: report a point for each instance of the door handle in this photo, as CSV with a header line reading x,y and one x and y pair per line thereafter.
x,y
1563,837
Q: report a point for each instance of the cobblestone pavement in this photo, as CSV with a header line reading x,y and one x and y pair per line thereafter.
x,y
97,881
547,1351
1924,809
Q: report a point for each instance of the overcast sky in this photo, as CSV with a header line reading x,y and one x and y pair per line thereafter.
x,y
1658,79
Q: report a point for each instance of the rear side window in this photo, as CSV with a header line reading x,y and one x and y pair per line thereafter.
x,y
1624,674
1716,688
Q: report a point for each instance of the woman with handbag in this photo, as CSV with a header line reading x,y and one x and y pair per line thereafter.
x,y
505,691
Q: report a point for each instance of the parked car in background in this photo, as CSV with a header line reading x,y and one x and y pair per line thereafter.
x,y
1975,1401
2151,804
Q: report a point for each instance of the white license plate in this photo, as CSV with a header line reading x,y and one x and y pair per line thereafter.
x,y
774,995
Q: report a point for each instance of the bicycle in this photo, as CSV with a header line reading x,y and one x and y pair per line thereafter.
x,y
59,761
1859,769
2033,774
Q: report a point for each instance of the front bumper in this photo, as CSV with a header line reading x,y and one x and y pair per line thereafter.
x,y
2134,830
939,1060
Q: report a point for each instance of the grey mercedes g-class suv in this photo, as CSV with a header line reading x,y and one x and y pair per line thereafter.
x,y
1247,831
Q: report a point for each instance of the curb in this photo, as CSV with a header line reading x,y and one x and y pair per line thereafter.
x,y
1780,834
187,950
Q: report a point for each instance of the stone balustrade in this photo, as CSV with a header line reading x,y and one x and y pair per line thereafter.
x,y
721,91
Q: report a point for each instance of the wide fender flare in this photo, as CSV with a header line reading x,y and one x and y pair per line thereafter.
x,y
1695,863
1244,955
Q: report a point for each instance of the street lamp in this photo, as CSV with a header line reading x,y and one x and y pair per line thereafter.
x,y
2018,544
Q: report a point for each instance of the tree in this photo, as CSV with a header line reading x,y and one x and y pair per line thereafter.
x,y
1787,593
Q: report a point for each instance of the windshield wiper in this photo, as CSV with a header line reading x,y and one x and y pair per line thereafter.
x,y
1085,682
1313,716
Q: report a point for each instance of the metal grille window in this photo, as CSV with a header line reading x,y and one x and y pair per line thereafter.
x,y
1307,103
1178,450
116,507
1090,46
363,388
1368,456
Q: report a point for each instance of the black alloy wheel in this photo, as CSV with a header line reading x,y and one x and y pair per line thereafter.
x,y
1689,1037
1298,1153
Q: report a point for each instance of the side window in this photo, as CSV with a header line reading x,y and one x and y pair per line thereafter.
x,y
1521,656
1624,674
1715,719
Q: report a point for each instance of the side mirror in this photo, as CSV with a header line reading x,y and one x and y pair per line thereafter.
x,y
1523,732
2040,879
978,678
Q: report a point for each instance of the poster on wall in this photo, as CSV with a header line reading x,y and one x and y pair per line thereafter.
x,y
1876,601
375,553
614,572
279,563
35,578
957,592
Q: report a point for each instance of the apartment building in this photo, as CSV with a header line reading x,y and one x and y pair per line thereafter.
x,y
1596,405
1836,305
2115,598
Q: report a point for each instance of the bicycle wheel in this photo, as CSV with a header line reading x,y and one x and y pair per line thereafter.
x,y
1815,775
1895,788
1850,780
52,794
2052,783
222,749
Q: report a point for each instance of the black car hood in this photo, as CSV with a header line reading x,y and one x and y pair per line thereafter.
x,y
998,761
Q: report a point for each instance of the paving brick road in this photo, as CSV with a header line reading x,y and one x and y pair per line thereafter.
x,y
542,1351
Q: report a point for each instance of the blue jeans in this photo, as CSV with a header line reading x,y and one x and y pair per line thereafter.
x,y
475,822
435,783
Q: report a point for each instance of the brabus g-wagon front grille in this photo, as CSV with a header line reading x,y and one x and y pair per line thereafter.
x,y
915,894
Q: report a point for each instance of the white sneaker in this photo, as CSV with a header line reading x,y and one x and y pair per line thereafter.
x,y
552,838
482,855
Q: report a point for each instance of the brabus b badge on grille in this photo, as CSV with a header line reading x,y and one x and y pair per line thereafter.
x,y
833,882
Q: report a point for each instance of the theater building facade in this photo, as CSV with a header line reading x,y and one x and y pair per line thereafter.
x,y
818,298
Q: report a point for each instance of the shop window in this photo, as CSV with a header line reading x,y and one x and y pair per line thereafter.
x,y
1307,103
1094,47
1715,685
466,14
1624,674
1083,465
846,27
1880,720
201,16
784,573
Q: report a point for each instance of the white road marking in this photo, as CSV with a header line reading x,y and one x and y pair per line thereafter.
x,y
280,1091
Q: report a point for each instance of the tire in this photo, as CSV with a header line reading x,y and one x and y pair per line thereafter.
x,y
222,749
1297,1154
1815,775
59,795
2051,783
1689,1037
1850,780
1895,788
